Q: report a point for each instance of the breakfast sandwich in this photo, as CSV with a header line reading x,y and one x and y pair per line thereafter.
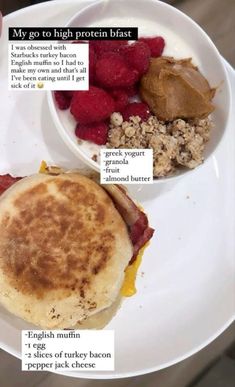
x,y
65,243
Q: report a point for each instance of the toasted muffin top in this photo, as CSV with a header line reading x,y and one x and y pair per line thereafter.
x,y
61,241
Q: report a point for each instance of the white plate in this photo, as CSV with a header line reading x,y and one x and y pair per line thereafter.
x,y
152,17
185,297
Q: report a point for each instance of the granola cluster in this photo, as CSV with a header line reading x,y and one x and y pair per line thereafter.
x,y
175,144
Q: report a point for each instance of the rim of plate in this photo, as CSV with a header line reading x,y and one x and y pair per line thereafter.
x,y
143,371
189,353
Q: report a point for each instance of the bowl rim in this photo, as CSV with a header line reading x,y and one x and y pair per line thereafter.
x,y
185,172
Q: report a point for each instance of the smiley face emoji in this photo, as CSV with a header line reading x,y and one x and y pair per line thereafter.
x,y
40,85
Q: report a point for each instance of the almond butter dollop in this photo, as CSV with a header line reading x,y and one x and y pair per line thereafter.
x,y
176,89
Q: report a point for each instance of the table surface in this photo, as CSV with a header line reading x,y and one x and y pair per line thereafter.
x,y
217,18
179,375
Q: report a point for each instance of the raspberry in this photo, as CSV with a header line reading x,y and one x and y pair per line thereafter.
x,y
112,72
120,99
109,55
97,132
132,91
92,62
68,94
155,44
136,109
101,46
93,105
137,56
62,99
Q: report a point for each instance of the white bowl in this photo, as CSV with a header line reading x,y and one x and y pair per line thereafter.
x,y
184,38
